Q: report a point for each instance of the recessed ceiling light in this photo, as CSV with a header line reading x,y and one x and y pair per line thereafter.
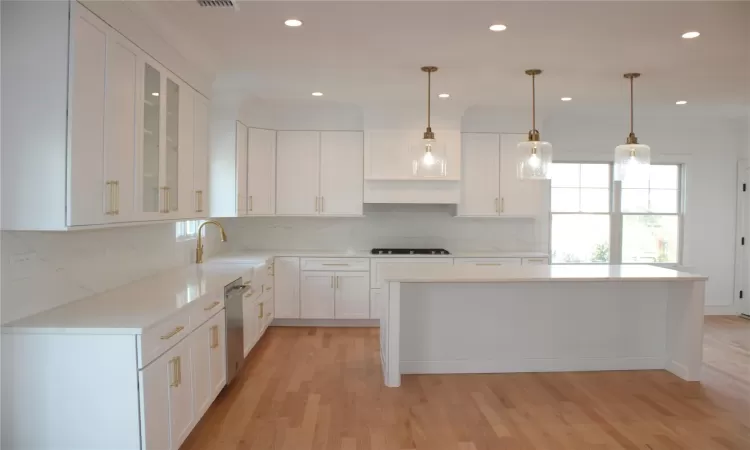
x,y
498,27
155,94
691,35
681,102
566,99
444,95
293,23
317,94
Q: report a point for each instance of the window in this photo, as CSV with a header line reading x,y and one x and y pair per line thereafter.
x,y
580,213
590,213
187,229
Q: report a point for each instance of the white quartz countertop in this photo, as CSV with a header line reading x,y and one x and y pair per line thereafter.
x,y
136,306
261,254
439,273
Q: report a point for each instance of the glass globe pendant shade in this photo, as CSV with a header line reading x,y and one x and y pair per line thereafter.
x,y
535,158
631,160
429,161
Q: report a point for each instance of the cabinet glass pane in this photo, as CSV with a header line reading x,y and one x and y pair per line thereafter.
x,y
173,120
150,174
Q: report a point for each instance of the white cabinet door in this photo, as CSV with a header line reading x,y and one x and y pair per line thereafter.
x,y
181,413
154,382
241,155
480,180
518,197
218,353
317,295
352,295
120,146
89,197
286,288
186,153
201,341
297,172
341,181
261,171
200,156
150,194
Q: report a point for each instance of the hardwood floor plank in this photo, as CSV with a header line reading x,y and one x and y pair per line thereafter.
x,y
322,388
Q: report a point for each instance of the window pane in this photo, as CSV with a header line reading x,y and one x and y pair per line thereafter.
x,y
580,238
665,177
650,239
565,199
595,175
635,200
565,175
594,200
636,179
663,201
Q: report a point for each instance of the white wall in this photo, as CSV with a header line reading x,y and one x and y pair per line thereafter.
x,y
42,270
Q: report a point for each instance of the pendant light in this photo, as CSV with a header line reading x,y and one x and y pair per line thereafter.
x,y
535,155
429,161
632,158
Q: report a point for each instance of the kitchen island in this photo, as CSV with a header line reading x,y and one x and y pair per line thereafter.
x,y
559,318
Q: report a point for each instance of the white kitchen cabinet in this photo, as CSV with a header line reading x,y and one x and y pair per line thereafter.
x,y
341,180
200,155
317,295
208,353
389,153
286,288
261,171
241,169
480,181
352,295
297,173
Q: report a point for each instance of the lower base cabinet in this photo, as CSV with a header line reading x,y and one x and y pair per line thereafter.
x,y
208,357
335,295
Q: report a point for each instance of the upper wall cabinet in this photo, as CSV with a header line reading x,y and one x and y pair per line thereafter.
x,y
389,154
489,185
319,173
95,132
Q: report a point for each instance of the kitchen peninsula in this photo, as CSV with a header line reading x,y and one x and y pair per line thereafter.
x,y
469,319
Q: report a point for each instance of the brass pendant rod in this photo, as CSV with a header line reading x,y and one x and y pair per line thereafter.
x,y
533,102
429,83
631,105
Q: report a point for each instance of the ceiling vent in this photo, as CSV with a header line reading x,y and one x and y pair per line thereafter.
x,y
219,3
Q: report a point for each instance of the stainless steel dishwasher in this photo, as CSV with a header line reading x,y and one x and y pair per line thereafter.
x,y
233,296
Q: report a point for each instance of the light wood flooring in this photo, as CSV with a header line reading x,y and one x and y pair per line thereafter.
x,y
321,388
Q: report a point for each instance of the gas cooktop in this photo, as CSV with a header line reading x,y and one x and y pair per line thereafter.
x,y
410,251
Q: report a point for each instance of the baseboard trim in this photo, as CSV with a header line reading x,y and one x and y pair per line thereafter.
x,y
369,323
726,310
532,365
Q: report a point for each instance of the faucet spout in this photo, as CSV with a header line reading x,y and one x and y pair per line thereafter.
x,y
199,247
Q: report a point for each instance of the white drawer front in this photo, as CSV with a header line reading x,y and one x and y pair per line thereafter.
x,y
377,262
336,264
163,336
488,261
203,310
535,261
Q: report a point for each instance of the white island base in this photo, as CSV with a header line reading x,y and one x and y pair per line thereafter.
x,y
442,320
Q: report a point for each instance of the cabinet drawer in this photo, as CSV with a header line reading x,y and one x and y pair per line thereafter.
x,y
204,309
161,337
337,264
488,261
378,262
535,261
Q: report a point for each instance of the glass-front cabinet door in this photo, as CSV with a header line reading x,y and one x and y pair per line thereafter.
x,y
151,155
172,146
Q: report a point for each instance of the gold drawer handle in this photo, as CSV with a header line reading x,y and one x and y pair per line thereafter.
x,y
172,333
260,316
337,264
535,260
176,372
490,264
268,288
214,336
211,306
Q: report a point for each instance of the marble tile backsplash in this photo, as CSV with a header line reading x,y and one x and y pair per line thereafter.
x,y
43,270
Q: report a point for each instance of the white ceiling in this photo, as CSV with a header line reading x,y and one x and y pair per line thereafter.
x,y
369,53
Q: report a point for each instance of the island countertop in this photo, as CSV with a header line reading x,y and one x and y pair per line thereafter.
x,y
412,273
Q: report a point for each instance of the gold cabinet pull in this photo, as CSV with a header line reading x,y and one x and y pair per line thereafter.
x,y
251,203
174,363
335,264
490,264
502,204
179,370
165,196
260,316
172,333
111,198
316,204
211,306
267,288
322,204
117,197
214,336
198,201
497,208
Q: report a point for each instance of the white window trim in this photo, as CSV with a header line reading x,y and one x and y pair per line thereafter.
x,y
616,215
